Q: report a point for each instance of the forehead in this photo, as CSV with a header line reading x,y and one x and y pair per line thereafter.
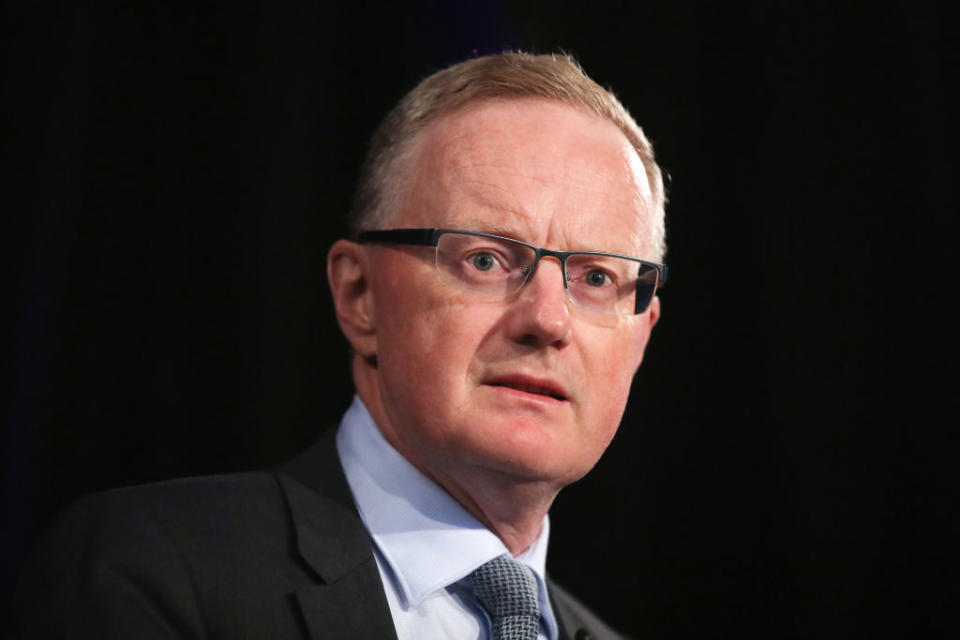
x,y
539,170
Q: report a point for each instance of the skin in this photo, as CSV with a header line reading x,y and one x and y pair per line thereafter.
x,y
430,362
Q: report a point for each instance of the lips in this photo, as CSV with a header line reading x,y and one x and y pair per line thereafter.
x,y
534,386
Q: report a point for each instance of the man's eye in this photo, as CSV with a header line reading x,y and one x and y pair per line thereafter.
x,y
596,278
483,261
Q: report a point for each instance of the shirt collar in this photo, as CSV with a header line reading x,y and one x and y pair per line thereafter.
x,y
427,539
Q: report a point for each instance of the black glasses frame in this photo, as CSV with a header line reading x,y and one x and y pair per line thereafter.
x,y
430,238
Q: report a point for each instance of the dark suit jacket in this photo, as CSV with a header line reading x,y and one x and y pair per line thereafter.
x,y
274,554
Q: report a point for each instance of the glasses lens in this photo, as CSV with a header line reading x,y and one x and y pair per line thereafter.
x,y
494,267
610,285
648,277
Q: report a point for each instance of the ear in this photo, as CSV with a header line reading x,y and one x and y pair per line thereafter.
x,y
654,313
348,271
648,319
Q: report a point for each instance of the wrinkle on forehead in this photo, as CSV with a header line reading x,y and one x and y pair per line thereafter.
x,y
476,160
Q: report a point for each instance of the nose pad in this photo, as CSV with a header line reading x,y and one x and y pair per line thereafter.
x,y
537,267
542,312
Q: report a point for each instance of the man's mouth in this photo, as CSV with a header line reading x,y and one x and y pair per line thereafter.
x,y
535,387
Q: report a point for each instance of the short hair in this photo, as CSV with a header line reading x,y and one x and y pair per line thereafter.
x,y
506,75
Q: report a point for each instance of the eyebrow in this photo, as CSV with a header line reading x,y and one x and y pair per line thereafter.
x,y
483,226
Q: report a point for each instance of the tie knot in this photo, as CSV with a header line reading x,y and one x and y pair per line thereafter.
x,y
507,590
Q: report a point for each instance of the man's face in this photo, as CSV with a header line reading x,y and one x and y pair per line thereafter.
x,y
461,380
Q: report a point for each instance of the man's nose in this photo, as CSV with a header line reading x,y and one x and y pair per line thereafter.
x,y
540,315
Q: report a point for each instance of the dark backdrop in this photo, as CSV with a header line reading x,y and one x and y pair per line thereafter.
x,y
179,170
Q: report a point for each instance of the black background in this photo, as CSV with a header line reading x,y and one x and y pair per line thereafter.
x,y
180,169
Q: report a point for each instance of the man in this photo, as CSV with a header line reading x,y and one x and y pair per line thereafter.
x,y
498,296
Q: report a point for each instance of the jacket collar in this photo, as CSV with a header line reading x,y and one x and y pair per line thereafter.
x,y
349,601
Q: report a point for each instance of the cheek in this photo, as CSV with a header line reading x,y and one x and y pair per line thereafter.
x,y
612,376
426,344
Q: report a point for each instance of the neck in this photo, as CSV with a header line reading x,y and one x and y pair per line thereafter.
x,y
511,506
513,510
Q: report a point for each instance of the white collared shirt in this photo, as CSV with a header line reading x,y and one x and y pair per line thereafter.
x,y
425,541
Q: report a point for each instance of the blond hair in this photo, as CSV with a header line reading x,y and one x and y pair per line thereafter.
x,y
506,75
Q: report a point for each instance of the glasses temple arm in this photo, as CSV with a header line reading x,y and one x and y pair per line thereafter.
x,y
424,237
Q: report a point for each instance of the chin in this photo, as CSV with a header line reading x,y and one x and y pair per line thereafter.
x,y
536,463
558,475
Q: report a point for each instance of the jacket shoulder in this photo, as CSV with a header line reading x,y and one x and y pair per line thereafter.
x,y
170,558
211,511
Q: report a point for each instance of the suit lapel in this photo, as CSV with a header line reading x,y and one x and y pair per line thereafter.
x,y
565,622
349,601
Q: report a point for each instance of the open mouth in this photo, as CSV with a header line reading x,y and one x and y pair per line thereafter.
x,y
535,389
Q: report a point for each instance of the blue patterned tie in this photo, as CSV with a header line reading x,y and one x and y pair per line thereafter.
x,y
507,590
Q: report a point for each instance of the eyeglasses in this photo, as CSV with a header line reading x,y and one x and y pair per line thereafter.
x,y
497,267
